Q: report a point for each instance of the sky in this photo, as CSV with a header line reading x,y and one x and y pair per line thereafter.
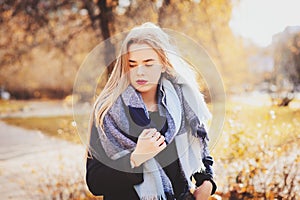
x,y
258,20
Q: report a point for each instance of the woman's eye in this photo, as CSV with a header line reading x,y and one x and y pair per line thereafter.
x,y
133,65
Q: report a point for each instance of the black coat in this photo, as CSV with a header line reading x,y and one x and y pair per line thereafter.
x,y
102,177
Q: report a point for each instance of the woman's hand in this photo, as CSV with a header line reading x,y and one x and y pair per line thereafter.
x,y
149,144
203,192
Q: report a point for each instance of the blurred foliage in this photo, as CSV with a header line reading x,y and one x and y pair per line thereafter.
x,y
285,79
43,42
258,153
70,186
207,22
41,46
246,124
11,106
287,58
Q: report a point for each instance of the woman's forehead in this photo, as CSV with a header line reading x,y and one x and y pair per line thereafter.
x,y
141,52
139,46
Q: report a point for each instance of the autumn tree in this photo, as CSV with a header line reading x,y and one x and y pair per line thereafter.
x,y
38,52
44,42
285,78
207,22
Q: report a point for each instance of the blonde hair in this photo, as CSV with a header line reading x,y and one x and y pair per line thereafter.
x,y
147,33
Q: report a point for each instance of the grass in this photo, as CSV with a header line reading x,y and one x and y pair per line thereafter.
x,y
247,126
11,106
258,142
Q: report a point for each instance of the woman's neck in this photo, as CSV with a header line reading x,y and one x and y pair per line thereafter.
x,y
150,99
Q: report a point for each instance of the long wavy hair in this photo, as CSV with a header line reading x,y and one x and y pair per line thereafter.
x,y
147,33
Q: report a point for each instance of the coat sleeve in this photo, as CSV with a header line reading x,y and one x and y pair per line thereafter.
x,y
207,160
104,175
200,177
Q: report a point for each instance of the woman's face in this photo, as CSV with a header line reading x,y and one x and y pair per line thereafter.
x,y
145,68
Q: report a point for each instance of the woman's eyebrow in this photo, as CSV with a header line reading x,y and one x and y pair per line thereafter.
x,y
148,60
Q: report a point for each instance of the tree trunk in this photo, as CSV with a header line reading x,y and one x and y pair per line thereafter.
x,y
213,35
106,21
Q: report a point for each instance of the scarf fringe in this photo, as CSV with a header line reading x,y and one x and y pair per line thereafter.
x,y
156,197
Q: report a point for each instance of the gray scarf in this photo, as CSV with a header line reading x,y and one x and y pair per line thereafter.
x,y
191,143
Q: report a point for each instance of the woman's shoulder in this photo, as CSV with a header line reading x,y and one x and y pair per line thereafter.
x,y
127,98
117,106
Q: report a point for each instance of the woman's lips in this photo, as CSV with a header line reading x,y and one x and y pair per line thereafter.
x,y
141,82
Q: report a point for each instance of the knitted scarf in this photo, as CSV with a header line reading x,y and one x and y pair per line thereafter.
x,y
181,104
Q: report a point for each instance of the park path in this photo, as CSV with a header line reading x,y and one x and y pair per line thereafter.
x,y
42,108
31,163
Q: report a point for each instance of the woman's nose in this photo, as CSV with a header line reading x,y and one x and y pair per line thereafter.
x,y
140,69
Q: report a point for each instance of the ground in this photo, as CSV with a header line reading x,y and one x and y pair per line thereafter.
x,y
31,162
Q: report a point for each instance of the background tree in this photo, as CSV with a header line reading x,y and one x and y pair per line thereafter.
x,y
207,22
285,78
44,42
39,55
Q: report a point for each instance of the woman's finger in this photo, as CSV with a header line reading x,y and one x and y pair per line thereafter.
x,y
160,140
162,146
147,133
156,135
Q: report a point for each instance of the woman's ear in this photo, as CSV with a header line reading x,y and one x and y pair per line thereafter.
x,y
163,70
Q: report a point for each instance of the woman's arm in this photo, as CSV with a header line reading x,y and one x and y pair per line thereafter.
x,y
104,175
204,180
102,179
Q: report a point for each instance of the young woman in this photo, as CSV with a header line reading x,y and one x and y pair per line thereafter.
x,y
148,135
